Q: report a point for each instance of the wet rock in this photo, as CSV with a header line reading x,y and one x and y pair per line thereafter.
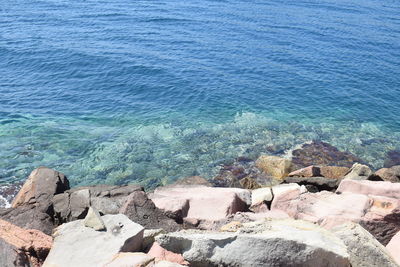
x,y
205,203
315,184
321,153
394,247
20,247
391,174
276,167
8,193
270,242
76,245
140,209
363,248
359,172
392,159
93,220
40,187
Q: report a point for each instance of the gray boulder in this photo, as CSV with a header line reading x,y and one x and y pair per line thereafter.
x,y
364,249
359,172
77,245
268,243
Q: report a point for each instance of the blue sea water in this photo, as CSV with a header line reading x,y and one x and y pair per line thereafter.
x,y
151,91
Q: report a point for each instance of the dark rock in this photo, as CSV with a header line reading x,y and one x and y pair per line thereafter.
x,y
315,184
392,159
140,209
321,153
28,217
8,193
391,174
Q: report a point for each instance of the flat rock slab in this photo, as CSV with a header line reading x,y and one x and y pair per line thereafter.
x,y
77,245
385,189
205,203
268,243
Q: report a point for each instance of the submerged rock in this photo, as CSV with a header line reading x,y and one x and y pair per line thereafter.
x,y
321,153
20,247
392,159
269,243
77,245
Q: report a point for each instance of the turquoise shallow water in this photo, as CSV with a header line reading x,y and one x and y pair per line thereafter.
x,y
150,91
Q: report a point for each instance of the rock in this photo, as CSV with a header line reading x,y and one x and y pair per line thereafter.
x,y
242,173
167,264
28,217
93,220
394,247
261,195
221,201
75,245
193,180
140,209
40,187
20,247
270,242
363,248
378,214
315,184
392,159
8,193
130,259
389,174
161,254
324,154
149,237
277,167
107,199
386,189
359,172
231,227
333,172
310,171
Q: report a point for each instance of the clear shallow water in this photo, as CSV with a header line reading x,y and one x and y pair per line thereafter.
x,y
149,91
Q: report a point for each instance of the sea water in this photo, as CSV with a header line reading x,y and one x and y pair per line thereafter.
x,y
152,91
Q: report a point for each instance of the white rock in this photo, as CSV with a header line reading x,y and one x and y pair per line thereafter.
x,y
260,195
77,245
93,220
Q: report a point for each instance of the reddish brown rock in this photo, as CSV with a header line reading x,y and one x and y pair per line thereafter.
x,y
391,174
333,172
20,247
161,254
310,171
321,153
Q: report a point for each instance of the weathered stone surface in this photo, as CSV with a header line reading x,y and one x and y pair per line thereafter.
x,y
272,243
131,259
394,247
94,220
315,184
277,167
77,245
363,248
310,171
389,174
161,254
321,153
140,209
28,217
20,247
333,172
285,192
261,195
221,201
392,159
359,172
386,189
149,237
40,187
107,199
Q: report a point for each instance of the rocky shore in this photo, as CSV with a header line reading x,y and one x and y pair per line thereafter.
x,y
318,207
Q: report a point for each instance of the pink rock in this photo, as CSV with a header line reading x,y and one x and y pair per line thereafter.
x,y
394,247
130,259
31,245
205,203
310,171
161,254
365,187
